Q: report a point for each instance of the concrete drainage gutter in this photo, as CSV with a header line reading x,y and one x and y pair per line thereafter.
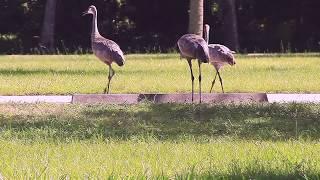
x,y
165,98
170,98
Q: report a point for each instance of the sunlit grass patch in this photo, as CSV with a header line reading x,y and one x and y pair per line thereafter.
x,y
153,73
159,159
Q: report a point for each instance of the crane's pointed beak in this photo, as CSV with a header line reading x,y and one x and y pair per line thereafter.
x,y
85,13
232,63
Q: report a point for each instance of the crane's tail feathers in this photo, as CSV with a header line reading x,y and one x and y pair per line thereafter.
x,y
176,47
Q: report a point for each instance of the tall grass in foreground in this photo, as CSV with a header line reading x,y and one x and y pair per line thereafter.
x,y
160,159
153,73
164,141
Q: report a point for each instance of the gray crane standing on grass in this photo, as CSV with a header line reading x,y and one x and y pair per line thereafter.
x,y
192,46
219,56
106,50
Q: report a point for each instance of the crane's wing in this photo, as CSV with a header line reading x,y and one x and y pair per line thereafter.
x,y
194,47
221,54
108,51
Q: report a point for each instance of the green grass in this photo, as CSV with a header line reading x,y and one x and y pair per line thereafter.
x,y
163,141
155,73
164,160
158,141
160,121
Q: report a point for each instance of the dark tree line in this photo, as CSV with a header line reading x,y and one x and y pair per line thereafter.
x,y
155,25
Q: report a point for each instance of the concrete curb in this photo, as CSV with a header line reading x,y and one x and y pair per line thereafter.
x,y
170,98
165,98
298,98
36,99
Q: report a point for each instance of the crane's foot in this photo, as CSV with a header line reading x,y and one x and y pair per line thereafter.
x,y
105,91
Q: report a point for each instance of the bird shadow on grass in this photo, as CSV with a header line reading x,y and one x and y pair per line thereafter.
x,y
169,122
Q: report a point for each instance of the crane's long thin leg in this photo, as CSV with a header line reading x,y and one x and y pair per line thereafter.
x,y
192,77
213,81
220,81
199,63
111,74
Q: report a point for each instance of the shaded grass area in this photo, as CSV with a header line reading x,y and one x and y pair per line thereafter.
x,y
160,121
163,141
154,73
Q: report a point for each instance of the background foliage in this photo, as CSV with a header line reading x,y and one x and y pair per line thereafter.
x,y
155,25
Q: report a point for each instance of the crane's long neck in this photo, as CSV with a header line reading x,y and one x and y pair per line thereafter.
x,y
206,35
95,32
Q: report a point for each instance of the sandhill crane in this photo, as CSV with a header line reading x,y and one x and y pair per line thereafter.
x,y
219,56
192,46
105,49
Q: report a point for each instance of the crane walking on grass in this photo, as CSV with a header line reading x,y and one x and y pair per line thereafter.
x,y
219,56
192,46
106,50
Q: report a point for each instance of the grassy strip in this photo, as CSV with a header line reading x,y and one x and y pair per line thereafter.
x,y
160,121
283,55
155,73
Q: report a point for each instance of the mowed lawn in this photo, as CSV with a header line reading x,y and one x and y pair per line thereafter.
x,y
160,141
154,73
161,160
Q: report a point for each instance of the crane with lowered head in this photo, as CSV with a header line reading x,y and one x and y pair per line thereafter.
x,y
220,55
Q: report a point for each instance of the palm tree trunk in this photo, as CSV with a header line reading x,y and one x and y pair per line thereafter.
x,y
196,17
47,33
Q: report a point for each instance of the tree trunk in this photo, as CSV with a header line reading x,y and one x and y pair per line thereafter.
x,y
47,33
196,17
230,26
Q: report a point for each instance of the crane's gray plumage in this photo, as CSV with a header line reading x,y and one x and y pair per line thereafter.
x,y
105,49
192,46
220,55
